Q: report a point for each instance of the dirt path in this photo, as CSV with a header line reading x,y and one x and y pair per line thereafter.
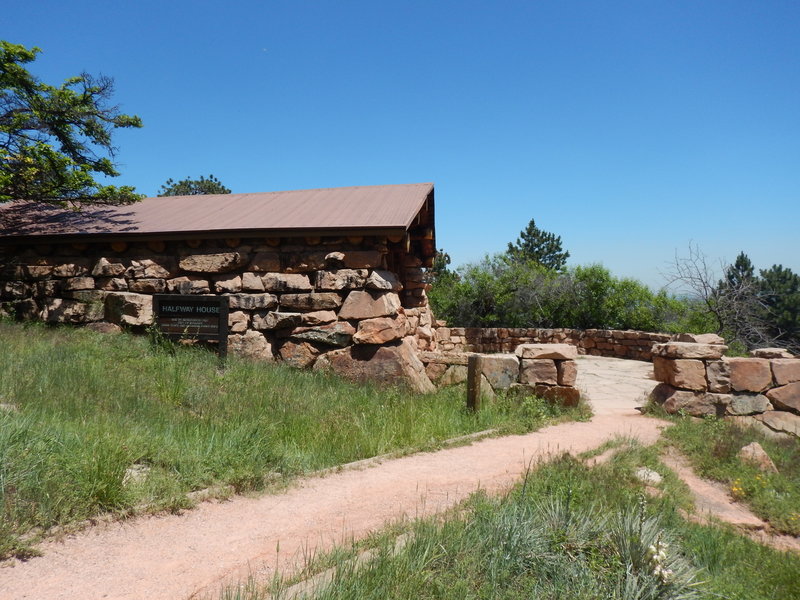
x,y
174,556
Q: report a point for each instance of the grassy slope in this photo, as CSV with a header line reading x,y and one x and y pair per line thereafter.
x,y
89,406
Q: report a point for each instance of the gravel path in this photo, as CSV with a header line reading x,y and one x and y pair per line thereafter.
x,y
176,556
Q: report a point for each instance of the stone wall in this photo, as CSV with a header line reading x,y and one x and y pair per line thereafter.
x,y
546,370
296,300
598,342
696,379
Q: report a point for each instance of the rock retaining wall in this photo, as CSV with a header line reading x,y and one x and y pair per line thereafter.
x,y
546,370
696,379
635,345
348,301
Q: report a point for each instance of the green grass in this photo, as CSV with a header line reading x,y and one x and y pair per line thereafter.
x,y
565,532
90,406
712,446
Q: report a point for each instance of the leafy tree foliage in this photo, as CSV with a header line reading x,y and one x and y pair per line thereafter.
x,y
193,187
55,140
539,246
780,293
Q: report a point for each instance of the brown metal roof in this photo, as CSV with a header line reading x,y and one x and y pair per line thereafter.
x,y
369,208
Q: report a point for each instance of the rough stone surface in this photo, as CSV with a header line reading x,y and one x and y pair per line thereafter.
x,y
112,284
264,262
252,301
72,267
148,286
567,372
106,268
304,262
689,350
276,320
318,317
648,476
250,344
395,363
696,404
781,421
220,262
786,397
699,338
748,404
340,279
59,310
286,282
683,373
363,259
454,374
127,308
367,305
754,454
188,285
501,370
566,396
338,334
718,376
383,280
380,330
552,351
310,302
238,321
298,354
252,282
538,370
78,283
771,353
228,283
785,370
434,371
148,269
749,374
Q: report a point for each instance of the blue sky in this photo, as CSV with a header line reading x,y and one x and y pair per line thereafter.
x,y
630,129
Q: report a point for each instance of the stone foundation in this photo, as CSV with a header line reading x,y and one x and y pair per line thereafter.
x,y
696,379
546,370
636,345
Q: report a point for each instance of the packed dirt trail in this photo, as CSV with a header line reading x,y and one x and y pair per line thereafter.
x,y
195,553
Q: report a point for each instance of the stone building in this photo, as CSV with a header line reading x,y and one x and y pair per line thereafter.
x,y
328,278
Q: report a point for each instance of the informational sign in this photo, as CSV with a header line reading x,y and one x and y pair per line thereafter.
x,y
193,317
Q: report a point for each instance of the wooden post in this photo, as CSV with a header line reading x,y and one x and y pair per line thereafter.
x,y
474,368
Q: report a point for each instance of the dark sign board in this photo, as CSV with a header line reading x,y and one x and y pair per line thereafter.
x,y
193,317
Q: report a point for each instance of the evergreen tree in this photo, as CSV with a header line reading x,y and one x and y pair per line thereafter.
x,y
780,295
193,187
539,246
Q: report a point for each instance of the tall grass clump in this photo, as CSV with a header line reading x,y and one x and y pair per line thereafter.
x,y
96,423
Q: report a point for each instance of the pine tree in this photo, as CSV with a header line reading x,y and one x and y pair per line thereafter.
x,y
539,246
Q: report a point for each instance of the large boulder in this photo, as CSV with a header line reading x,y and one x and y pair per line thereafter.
x,y
552,351
567,372
250,344
718,376
384,281
748,404
106,268
755,454
538,370
368,305
396,363
338,334
500,370
785,370
380,330
310,302
127,308
771,353
218,262
786,397
276,320
749,374
699,338
340,279
252,301
696,404
286,282
781,422
686,373
689,350
149,269
298,354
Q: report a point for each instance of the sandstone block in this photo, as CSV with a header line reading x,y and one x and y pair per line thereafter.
x,y
454,375
12,290
72,267
383,280
228,283
310,302
538,370
238,321
127,308
380,330
276,320
786,397
36,271
363,259
265,262
661,368
552,351
149,269
78,283
58,310
300,355
340,279
500,370
449,358
304,262
686,373
689,350
718,376
699,338
188,285
368,305
567,372
749,374
755,454
338,334
748,404
218,262
771,353
395,363
112,284
51,287
286,282
566,396
785,370
781,421
106,268
252,301
696,404
434,371
318,317
252,282
147,286
252,345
